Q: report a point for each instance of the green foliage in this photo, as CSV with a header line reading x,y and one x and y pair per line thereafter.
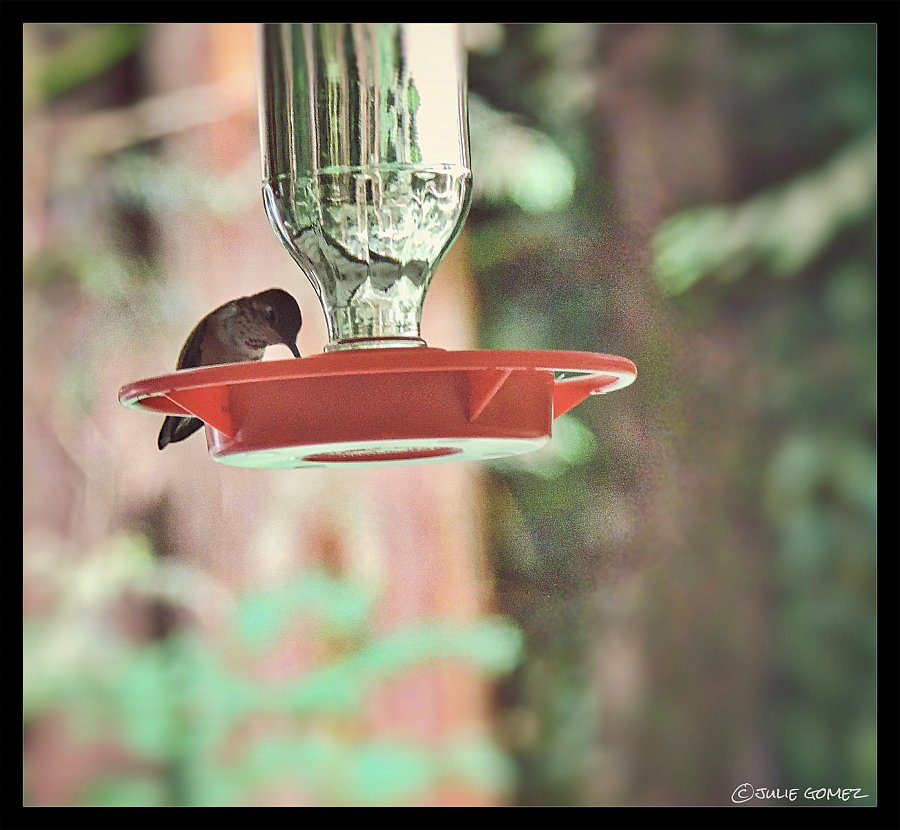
x,y
341,606
102,273
780,231
142,700
178,701
515,163
491,645
139,179
478,763
85,52
571,445
123,791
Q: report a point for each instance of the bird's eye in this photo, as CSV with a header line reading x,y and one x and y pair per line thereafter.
x,y
270,314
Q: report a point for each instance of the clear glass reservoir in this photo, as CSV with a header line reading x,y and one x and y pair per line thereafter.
x,y
366,173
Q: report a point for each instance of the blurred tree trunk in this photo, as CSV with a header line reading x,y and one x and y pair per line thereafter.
x,y
663,743
417,530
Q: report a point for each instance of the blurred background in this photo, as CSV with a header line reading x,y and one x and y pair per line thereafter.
x,y
675,597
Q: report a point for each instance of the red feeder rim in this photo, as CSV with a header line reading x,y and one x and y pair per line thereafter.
x,y
381,406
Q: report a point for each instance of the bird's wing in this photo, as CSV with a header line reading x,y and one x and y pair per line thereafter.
x,y
176,428
192,352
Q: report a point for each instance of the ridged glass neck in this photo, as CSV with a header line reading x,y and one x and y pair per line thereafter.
x,y
366,176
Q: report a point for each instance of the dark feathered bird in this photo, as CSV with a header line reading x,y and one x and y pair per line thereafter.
x,y
235,332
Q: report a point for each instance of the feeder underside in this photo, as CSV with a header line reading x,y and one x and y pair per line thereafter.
x,y
372,453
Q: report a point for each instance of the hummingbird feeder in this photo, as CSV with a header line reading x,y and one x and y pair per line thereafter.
x,y
367,182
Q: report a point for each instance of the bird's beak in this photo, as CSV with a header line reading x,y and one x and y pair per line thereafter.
x,y
294,350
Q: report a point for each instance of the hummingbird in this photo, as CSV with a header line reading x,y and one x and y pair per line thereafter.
x,y
235,332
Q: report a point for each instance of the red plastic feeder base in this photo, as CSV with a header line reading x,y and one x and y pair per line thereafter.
x,y
381,406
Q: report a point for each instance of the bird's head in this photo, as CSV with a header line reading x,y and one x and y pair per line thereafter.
x,y
282,317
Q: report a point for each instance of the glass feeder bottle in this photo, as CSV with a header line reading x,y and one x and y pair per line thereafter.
x,y
366,171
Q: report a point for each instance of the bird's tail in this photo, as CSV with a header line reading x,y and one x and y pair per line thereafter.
x,y
176,428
